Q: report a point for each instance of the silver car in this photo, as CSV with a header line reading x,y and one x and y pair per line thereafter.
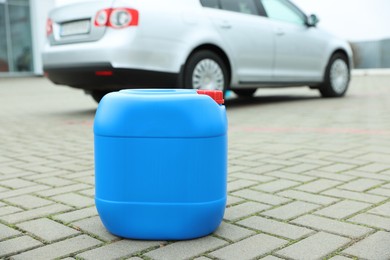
x,y
242,45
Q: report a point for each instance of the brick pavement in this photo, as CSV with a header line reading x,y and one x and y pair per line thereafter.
x,y
309,178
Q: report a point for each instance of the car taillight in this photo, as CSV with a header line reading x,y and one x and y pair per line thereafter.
x,y
116,17
49,27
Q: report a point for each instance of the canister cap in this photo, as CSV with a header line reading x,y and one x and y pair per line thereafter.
x,y
217,95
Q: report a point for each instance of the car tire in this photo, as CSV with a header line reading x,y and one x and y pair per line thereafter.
x,y
245,93
97,95
205,70
337,76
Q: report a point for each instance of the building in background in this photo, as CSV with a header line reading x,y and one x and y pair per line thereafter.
x,y
22,36
371,54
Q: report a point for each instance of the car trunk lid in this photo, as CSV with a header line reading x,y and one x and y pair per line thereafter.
x,y
75,23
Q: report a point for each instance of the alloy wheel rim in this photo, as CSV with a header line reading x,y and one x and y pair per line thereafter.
x,y
339,76
208,75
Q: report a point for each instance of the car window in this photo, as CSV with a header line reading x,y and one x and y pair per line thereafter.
x,y
283,10
210,3
240,6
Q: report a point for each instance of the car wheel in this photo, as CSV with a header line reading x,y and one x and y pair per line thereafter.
x,y
245,92
97,95
205,70
337,76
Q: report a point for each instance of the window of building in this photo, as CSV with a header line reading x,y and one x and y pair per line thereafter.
x,y
15,36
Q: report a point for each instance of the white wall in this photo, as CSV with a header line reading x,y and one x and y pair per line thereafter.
x,y
39,10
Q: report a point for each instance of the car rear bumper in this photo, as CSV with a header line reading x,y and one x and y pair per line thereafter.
x,y
103,76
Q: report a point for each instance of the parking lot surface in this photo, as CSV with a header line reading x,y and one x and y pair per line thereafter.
x,y
309,178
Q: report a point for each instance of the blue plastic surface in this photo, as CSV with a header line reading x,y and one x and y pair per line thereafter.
x,y
160,164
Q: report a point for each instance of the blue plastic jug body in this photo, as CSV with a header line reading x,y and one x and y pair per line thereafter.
x,y
160,164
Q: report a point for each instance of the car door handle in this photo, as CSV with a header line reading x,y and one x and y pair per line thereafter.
x,y
225,25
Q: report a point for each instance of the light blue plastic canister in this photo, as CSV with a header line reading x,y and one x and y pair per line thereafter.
x,y
160,163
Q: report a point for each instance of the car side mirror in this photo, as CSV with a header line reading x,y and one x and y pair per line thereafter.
x,y
312,20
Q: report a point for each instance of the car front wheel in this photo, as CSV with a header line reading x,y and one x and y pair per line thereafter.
x,y
337,76
205,70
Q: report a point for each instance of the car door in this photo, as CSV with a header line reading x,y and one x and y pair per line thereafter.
x,y
299,48
248,38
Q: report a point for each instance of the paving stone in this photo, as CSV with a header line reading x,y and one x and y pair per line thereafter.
x,y
9,210
380,191
249,248
303,167
79,174
15,245
318,185
383,210
339,257
17,183
47,229
62,190
253,177
330,176
372,220
37,177
87,180
275,227
25,190
343,209
338,167
239,184
375,247
74,199
60,249
352,195
186,249
374,167
77,215
360,184
6,232
233,200
2,189
319,246
291,176
264,168
261,197
34,213
375,176
119,249
275,186
29,201
94,226
88,192
10,170
232,232
332,226
244,209
291,210
304,196
55,181
271,257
